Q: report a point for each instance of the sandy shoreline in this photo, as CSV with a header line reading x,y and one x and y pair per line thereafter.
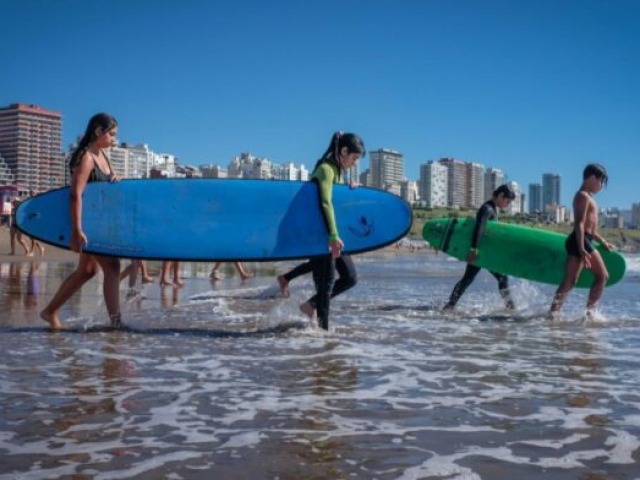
x,y
51,253
55,254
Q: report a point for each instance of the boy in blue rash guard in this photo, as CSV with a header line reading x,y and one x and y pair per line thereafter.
x,y
343,153
501,198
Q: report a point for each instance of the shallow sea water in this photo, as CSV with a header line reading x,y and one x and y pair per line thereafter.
x,y
228,380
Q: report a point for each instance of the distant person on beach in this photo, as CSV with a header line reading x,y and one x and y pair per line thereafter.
x,y
501,198
579,244
343,152
244,275
132,270
34,243
89,163
170,267
15,235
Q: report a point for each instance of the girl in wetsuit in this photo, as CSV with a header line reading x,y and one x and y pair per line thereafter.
x,y
343,152
501,198
89,163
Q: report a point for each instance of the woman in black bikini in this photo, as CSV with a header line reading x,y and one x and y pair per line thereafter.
x,y
89,163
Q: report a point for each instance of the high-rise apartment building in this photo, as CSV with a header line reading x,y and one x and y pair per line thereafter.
x,y
433,184
535,198
387,168
6,175
635,215
475,185
365,178
456,181
31,145
516,204
550,189
493,178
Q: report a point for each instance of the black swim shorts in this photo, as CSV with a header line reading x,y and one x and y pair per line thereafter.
x,y
571,244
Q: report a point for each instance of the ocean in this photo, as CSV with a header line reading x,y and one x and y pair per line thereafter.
x,y
227,380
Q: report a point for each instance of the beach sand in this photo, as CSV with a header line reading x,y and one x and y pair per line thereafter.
x,y
50,254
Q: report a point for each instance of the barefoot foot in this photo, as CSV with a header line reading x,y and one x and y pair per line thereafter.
x,y
308,310
284,286
52,319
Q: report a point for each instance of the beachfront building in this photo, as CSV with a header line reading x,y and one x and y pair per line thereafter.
x,y
635,215
387,168
163,165
139,160
365,178
550,189
350,175
291,172
535,198
6,175
475,185
516,204
433,184
493,178
213,171
409,191
456,182
246,165
31,146
611,218
557,214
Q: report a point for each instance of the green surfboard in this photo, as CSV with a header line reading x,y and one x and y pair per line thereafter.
x,y
515,250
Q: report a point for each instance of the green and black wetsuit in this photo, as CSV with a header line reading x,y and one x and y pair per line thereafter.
x,y
326,174
486,212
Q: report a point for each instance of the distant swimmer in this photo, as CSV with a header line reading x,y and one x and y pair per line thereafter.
x,y
501,198
579,244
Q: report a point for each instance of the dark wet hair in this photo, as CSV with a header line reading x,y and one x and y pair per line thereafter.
x,y
102,121
505,191
596,169
340,140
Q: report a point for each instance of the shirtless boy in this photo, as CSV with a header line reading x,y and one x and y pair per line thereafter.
x,y
579,243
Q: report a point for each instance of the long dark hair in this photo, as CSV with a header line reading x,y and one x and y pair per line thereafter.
x,y
102,121
340,140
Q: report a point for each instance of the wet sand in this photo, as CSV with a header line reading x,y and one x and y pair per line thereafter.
x,y
50,254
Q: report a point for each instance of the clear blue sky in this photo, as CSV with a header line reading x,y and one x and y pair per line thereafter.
x,y
528,86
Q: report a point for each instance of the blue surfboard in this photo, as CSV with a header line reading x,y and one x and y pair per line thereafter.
x,y
216,219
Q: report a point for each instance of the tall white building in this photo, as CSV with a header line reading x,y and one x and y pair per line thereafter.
x,y
409,191
213,171
516,204
433,184
291,172
387,168
493,178
131,161
456,182
475,185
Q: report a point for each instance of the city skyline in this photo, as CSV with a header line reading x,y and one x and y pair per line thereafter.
x,y
527,87
469,183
